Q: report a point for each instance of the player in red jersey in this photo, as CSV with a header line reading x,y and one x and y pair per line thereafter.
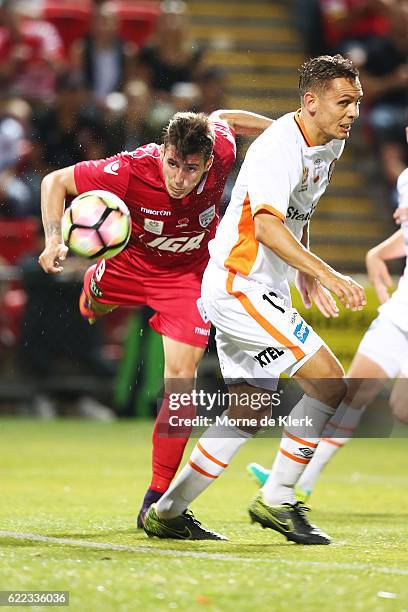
x,y
173,193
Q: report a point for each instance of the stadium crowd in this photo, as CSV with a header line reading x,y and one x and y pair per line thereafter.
x,y
83,79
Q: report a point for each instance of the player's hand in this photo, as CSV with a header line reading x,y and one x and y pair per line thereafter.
x,y
350,293
52,256
313,292
401,215
379,276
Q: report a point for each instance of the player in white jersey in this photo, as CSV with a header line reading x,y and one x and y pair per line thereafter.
x,y
381,355
246,295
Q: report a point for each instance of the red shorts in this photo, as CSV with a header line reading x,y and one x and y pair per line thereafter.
x,y
173,294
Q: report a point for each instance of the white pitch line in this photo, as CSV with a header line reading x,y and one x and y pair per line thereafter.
x,y
199,555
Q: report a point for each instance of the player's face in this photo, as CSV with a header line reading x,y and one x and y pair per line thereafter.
x,y
182,175
334,110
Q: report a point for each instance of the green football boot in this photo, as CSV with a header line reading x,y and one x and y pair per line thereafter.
x,y
183,527
289,520
260,474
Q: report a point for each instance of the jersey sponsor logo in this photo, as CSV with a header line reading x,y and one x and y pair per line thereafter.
x,y
153,226
295,214
112,168
203,331
201,310
268,355
179,244
157,213
318,163
301,332
183,222
207,216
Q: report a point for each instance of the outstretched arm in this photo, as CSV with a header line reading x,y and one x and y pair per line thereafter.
x,y
243,122
312,290
271,232
54,189
391,248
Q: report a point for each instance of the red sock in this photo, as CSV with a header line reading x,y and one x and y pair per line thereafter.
x,y
169,443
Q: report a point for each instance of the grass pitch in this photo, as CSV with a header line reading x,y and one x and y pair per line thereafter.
x,y
79,484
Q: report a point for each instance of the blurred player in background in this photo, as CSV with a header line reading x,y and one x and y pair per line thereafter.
x,y
246,295
173,192
381,355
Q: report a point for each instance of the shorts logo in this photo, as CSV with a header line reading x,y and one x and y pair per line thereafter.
x,y
268,355
94,288
302,332
203,331
201,310
153,226
207,216
112,168
100,269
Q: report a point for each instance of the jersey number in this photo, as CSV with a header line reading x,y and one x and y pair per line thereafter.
x,y
267,297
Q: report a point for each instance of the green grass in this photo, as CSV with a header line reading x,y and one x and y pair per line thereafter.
x,y
84,481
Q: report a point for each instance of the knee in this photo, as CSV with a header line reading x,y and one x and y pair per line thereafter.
x,y
183,370
330,386
333,391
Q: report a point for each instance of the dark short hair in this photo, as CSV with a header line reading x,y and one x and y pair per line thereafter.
x,y
190,133
316,73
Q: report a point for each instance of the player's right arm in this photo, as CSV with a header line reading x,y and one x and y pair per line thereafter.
x,y
391,248
272,233
54,189
242,122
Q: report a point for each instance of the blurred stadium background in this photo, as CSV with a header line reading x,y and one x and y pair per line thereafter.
x,y
58,107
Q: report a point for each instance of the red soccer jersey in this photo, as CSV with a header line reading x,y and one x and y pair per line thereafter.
x,y
167,233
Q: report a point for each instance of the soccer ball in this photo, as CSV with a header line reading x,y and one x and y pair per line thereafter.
x,y
96,225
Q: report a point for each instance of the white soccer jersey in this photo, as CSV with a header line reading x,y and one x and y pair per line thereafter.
x,y
396,308
285,175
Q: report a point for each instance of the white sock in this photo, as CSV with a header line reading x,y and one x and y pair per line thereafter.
x,y
211,455
343,422
296,452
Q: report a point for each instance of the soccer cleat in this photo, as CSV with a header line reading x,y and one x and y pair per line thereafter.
x,y
84,299
151,497
84,308
302,495
183,527
258,473
289,520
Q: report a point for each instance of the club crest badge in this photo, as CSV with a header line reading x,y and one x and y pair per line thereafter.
x,y
207,216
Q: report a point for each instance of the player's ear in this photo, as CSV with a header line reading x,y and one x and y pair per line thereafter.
x,y
209,163
162,151
310,102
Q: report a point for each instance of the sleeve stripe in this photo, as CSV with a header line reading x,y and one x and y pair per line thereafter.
x,y
270,209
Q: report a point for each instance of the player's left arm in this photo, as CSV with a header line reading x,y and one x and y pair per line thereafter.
x,y
242,122
311,290
391,248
